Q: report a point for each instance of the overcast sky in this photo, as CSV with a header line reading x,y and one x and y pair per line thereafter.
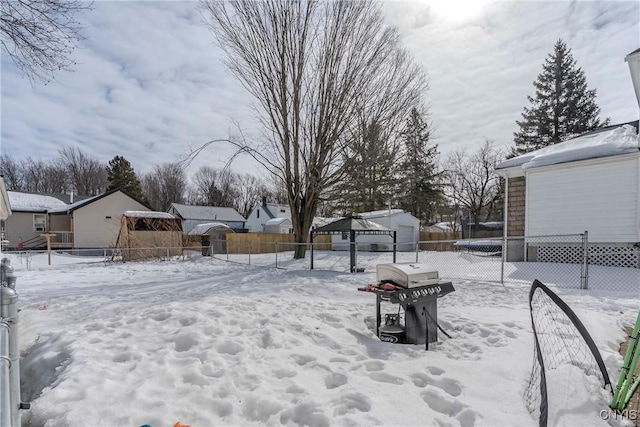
x,y
150,84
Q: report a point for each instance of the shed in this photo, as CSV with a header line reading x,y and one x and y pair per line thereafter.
x,y
148,234
213,237
588,183
278,226
352,226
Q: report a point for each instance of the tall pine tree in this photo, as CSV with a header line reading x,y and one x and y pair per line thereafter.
x,y
121,176
421,189
562,107
369,162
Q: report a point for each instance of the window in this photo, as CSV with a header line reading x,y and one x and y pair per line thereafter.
x,y
39,222
282,210
258,213
345,235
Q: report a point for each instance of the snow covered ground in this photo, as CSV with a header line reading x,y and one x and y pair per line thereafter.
x,y
208,342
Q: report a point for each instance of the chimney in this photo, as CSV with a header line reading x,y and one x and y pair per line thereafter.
x,y
634,66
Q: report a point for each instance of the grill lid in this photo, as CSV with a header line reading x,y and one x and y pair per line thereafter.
x,y
407,275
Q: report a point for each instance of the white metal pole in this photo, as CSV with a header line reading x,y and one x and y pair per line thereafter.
x,y
5,369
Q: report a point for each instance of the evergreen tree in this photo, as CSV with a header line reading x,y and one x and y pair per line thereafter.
x,y
369,179
121,176
562,107
421,190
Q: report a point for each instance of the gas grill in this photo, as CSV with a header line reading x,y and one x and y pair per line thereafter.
x,y
416,289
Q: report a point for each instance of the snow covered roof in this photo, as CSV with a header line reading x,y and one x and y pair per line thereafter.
x,y
380,213
209,213
443,226
201,229
277,221
605,143
148,214
27,202
272,209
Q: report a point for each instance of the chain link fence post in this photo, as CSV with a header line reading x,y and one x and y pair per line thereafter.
x,y
584,273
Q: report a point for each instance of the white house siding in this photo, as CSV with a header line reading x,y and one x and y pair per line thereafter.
x,y
600,196
258,217
97,224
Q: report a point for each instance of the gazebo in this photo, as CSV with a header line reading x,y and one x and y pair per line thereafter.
x,y
354,225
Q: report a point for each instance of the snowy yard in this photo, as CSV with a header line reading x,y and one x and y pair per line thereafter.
x,y
207,342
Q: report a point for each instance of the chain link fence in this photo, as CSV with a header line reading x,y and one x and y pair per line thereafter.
x,y
568,261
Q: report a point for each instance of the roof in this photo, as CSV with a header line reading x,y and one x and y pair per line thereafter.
x,y
27,202
209,213
610,141
206,228
381,213
77,205
349,223
267,207
277,221
148,214
635,51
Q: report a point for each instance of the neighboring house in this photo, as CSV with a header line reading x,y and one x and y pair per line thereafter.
x,y
264,212
279,225
30,218
407,229
192,216
93,222
89,223
588,183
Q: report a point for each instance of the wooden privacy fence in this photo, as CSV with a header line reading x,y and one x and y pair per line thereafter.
x,y
428,241
263,243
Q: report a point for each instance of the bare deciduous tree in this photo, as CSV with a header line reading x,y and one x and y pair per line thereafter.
x,y
249,191
471,180
307,63
12,172
87,174
44,177
166,184
213,187
40,35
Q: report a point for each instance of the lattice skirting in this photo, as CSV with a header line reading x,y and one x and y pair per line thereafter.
x,y
605,254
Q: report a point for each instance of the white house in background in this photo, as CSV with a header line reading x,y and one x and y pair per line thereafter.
x,y
263,212
407,229
278,225
589,183
192,216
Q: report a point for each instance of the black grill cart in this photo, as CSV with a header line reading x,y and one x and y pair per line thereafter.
x,y
416,288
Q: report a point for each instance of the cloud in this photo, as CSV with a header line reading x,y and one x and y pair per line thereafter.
x,y
150,83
